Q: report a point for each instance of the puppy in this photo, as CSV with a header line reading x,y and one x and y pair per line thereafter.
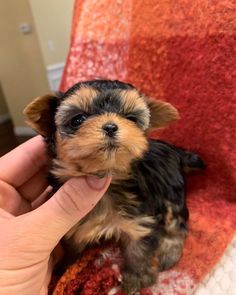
x,y
100,127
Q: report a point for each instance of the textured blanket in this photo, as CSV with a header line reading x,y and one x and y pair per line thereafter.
x,y
183,52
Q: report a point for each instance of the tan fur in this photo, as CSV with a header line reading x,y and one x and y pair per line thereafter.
x,y
132,101
169,217
156,114
38,113
170,251
81,99
172,242
155,265
162,114
88,148
106,222
171,223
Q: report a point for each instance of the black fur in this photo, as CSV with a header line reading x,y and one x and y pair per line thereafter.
x,y
100,85
158,184
157,178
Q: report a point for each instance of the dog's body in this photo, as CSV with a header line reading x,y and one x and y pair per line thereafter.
x,y
144,209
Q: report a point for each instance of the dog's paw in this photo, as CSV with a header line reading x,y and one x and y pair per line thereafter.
x,y
147,280
132,283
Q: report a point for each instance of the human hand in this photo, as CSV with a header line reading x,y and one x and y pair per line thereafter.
x,y
29,227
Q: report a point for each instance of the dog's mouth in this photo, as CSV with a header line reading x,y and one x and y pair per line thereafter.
x,y
112,145
101,173
110,156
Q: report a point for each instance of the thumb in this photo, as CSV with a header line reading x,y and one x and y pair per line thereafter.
x,y
68,205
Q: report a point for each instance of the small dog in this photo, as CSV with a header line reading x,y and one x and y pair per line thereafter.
x,y
100,127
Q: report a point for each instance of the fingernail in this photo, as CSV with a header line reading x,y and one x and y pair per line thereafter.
x,y
96,183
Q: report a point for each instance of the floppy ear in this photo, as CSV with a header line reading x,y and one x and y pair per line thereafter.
x,y
40,114
161,114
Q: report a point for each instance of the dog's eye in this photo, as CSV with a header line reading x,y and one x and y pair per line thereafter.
x,y
131,118
78,120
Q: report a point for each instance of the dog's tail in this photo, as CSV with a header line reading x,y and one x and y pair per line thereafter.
x,y
191,161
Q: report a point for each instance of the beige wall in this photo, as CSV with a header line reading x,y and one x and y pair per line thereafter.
x,y
3,105
22,72
53,23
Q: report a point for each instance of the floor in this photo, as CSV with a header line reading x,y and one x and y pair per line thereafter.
x,y
8,140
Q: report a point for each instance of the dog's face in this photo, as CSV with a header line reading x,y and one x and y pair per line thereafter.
x,y
97,130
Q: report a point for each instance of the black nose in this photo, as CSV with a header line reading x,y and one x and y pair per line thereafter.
x,y
110,129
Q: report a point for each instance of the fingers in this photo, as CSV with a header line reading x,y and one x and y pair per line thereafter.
x,y
23,162
11,201
50,222
35,186
42,198
5,215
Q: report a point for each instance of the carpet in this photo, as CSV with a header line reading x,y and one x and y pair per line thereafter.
x,y
183,52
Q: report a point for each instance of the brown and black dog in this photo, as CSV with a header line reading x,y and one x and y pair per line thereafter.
x,y
100,127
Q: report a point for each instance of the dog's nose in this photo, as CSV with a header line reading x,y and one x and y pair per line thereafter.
x,y
110,129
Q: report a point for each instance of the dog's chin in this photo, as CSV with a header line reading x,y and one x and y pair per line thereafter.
x,y
111,146
110,159
115,156
101,158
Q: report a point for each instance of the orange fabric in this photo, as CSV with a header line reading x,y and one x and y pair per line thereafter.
x,y
184,52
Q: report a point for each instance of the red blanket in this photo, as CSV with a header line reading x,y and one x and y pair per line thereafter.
x,y
184,52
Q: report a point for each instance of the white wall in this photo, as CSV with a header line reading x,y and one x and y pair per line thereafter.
x,y
53,20
22,71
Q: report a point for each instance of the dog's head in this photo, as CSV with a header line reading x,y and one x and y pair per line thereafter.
x,y
98,126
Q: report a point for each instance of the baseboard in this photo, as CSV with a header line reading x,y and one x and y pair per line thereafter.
x,y
24,131
4,118
54,74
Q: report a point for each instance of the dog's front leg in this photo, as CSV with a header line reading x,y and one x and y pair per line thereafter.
x,y
140,266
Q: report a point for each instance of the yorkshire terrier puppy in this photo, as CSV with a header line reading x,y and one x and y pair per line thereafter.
x,y
100,127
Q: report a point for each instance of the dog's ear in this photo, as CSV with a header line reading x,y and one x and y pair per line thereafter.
x,y
40,114
161,114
